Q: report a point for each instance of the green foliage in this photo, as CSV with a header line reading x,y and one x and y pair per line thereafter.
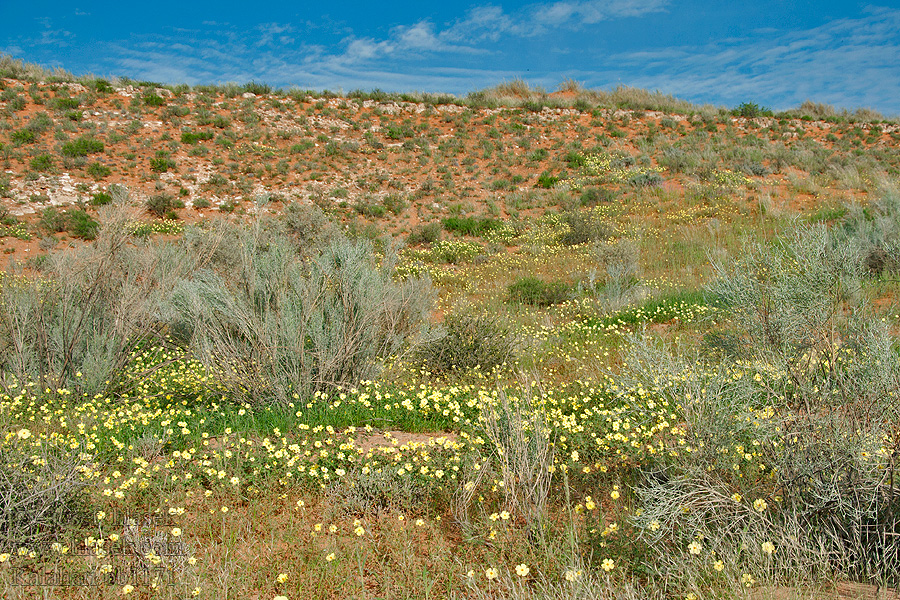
x,y
536,292
163,205
193,137
595,195
101,199
14,102
52,220
23,136
751,110
398,132
150,98
585,226
470,341
370,209
63,104
40,123
260,89
394,203
76,222
539,155
453,252
161,163
546,180
427,233
301,147
474,226
81,147
41,162
98,171
101,86
81,224
665,308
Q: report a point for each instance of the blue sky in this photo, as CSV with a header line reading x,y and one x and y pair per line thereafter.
x,y
774,53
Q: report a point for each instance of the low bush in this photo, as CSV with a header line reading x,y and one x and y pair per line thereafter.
x,y
273,324
101,199
394,203
751,110
193,137
875,232
43,494
41,163
163,205
161,163
536,292
81,147
98,171
308,226
80,224
76,222
640,180
77,325
427,233
474,226
370,209
798,431
260,89
585,226
595,195
470,341
23,136
152,99
547,181
63,104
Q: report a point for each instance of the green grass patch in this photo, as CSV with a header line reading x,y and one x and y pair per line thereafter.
x,y
473,226
82,147
685,306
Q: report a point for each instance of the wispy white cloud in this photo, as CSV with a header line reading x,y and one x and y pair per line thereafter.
x,y
568,14
490,23
849,62
272,32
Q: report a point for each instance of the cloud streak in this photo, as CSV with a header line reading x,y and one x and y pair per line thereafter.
x,y
849,62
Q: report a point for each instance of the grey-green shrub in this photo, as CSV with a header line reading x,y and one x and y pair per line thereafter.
x,y
273,325
42,495
813,401
875,231
308,226
78,323
536,292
